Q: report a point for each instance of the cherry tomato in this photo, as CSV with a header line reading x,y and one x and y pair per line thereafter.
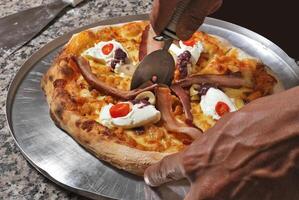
x,y
221,108
107,48
189,42
120,110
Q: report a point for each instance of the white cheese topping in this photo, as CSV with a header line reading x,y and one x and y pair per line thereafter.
x,y
138,116
195,50
96,51
175,50
105,117
209,101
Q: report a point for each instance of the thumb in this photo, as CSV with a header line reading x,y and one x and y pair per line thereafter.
x,y
161,14
168,169
194,16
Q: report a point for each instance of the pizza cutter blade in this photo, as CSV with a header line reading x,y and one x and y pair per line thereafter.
x,y
157,67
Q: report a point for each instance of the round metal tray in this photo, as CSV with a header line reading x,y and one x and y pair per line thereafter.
x,y
57,156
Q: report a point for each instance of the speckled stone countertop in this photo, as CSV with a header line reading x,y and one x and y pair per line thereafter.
x,y
18,179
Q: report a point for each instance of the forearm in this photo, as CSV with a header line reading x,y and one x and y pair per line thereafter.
x,y
256,150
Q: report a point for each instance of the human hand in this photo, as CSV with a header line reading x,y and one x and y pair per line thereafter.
x,y
250,154
190,20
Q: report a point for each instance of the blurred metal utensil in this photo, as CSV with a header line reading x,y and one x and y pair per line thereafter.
x,y
157,67
17,29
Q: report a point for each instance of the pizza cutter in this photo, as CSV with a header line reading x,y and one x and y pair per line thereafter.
x,y
159,65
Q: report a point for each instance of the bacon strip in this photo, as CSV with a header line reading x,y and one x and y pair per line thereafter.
x,y
185,100
143,44
218,80
85,69
164,105
148,44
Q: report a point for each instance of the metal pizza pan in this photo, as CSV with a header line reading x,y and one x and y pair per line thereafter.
x,y
58,157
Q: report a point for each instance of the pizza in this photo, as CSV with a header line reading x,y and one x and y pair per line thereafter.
x,y
88,92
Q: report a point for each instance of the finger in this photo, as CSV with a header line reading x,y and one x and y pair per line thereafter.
x,y
197,192
168,169
189,195
161,14
217,5
194,16
210,184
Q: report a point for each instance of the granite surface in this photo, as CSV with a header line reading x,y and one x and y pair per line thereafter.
x,y
18,179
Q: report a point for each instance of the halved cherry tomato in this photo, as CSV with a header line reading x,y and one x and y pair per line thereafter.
x,y
189,42
107,48
120,110
221,108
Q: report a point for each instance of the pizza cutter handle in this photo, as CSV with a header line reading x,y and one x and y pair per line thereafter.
x,y
74,3
170,30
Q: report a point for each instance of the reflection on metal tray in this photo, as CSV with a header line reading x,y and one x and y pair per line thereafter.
x,y
57,156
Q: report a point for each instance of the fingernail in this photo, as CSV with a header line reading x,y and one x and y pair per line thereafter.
x,y
146,180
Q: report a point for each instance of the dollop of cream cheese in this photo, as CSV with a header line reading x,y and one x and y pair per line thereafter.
x,y
105,117
195,50
139,115
96,51
209,101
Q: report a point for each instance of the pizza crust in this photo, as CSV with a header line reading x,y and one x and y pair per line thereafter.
x,y
90,134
